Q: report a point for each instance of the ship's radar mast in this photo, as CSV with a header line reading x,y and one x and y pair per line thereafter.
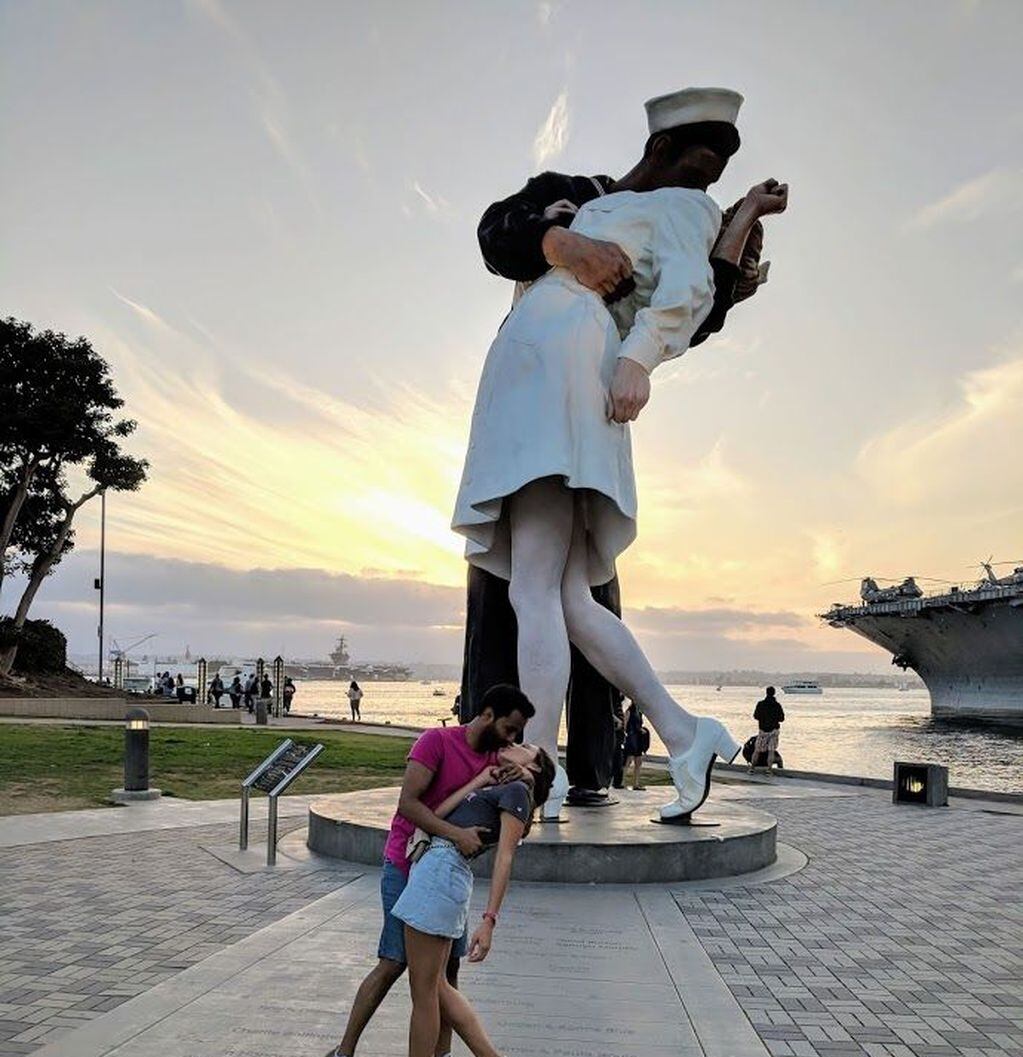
x,y
339,654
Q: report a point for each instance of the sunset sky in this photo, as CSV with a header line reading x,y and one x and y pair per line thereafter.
x,y
263,215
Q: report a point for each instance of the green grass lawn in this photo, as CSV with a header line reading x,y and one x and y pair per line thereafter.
x,y
54,768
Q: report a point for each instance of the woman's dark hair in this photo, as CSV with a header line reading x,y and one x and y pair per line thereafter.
x,y
721,137
543,778
504,699
354,685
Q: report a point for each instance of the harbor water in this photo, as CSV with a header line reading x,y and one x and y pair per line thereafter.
x,y
855,731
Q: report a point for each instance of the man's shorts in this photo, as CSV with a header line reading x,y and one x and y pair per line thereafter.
x,y
767,741
392,935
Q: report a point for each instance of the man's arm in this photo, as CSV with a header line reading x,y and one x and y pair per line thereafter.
x,y
523,236
410,804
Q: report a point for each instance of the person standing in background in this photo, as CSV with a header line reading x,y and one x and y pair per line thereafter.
x,y
235,692
250,689
637,741
769,716
355,700
289,693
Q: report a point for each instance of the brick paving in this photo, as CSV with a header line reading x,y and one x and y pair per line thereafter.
x,y
902,937
87,924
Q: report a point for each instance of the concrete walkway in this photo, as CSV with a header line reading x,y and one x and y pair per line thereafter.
x,y
900,936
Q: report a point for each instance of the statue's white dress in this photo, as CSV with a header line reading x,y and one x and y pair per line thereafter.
x,y
541,406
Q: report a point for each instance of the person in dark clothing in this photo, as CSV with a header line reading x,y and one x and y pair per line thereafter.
x,y
250,690
234,692
289,693
266,688
769,716
637,742
521,238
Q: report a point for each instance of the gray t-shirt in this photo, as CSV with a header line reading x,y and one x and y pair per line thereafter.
x,y
484,807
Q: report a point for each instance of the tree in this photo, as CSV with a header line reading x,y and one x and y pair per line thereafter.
x,y
61,400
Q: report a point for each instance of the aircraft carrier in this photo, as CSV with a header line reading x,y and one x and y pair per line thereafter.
x,y
966,643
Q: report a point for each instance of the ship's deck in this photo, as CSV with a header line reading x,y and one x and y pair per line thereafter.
x,y
953,599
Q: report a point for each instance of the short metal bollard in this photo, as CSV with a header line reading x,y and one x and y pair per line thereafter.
x,y
273,776
136,759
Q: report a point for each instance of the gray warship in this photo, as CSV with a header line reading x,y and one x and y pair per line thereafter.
x,y
966,643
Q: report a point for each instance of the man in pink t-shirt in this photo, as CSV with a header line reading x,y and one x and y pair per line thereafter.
x,y
442,761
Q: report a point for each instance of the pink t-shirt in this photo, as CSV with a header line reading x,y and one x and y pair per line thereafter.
x,y
446,752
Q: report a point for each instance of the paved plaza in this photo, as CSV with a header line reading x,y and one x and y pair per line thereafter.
x,y
886,931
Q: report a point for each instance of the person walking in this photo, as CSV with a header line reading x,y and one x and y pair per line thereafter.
x,y
250,689
354,700
235,692
637,742
216,691
769,716
289,693
266,688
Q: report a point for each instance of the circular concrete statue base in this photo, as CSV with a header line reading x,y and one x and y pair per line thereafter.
x,y
593,846
134,796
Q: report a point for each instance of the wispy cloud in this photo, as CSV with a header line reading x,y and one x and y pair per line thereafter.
x,y
993,190
270,101
435,204
959,452
553,133
143,312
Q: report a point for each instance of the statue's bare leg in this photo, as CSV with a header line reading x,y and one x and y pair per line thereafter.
x,y
541,516
691,741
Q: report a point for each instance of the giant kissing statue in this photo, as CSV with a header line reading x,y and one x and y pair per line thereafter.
x,y
548,498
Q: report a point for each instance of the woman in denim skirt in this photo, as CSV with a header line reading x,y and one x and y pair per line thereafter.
x,y
435,902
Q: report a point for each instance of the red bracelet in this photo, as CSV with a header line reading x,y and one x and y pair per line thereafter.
x,y
487,916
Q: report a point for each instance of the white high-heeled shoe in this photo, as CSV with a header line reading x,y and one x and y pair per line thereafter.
x,y
690,770
550,809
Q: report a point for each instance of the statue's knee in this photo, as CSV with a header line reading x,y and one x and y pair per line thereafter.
x,y
530,596
578,617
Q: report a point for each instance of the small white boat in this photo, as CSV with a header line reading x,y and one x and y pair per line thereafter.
x,y
803,686
439,693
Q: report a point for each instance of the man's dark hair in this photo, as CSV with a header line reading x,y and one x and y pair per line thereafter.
x,y
504,699
770,691
720,136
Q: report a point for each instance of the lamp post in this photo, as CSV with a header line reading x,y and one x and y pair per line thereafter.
x,y
136,759
100,583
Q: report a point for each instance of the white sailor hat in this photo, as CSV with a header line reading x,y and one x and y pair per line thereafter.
x,y
692,106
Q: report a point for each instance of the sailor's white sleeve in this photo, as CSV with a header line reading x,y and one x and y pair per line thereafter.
x,y
683,292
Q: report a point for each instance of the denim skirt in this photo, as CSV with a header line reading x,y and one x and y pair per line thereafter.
x,y
436,898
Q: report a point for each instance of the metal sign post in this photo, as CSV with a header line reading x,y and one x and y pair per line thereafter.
x,y
273,776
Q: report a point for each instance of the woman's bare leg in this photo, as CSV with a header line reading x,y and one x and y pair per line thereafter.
x,y
610,647
541,531
427,958
456,1011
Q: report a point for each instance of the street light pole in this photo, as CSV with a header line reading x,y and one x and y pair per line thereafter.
x,y
101,583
